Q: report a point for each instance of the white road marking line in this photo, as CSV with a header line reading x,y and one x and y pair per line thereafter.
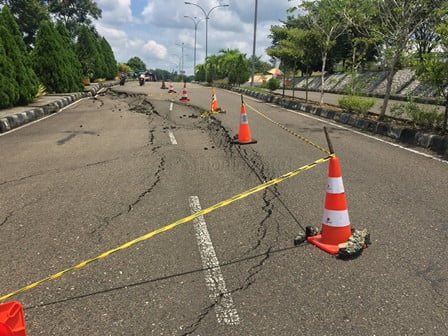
x,y
370,136
172,138
42,119
224,308
171,106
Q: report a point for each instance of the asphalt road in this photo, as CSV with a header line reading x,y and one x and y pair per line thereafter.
x,y
105,171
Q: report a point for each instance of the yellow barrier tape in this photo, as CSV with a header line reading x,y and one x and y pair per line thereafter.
x,y
171,226
290,131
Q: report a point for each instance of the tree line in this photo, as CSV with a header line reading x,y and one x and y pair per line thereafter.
x,y
51,46
229,65
353,34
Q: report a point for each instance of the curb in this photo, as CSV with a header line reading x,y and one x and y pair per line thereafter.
x,y
19,119
408,136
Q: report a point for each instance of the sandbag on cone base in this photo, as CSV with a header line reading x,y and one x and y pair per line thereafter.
x,y
12,319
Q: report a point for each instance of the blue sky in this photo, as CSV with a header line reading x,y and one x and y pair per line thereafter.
x,y
154,30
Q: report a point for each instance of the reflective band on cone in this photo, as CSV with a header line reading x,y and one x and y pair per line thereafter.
x,y
335,185
335,220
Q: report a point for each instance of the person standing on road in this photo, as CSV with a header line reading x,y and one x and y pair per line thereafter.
x,y
123,78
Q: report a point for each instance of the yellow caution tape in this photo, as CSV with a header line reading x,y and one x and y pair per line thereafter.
x,y
171,226
290,131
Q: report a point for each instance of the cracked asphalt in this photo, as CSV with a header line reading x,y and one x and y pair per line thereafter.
x,y
105,171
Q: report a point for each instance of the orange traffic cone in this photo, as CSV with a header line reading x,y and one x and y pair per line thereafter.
x,y
184,97
244,136
214,107
171,89
12,319
335,223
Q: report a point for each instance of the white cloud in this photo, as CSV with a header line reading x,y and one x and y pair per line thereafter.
x,y
115,12
154,49
111,33
151,29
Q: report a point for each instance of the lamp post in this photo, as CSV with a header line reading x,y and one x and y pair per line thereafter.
x,y
196,22
181,70
255,41
207,17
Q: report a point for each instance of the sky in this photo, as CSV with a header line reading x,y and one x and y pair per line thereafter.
x,y
156,31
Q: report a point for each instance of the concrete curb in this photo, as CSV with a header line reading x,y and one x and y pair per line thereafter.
x,y
408,136
19,119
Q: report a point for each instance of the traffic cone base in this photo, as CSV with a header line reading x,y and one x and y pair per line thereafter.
x,y
253,141
12,319
317,241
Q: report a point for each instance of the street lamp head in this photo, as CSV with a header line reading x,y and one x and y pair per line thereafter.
x,y
187,3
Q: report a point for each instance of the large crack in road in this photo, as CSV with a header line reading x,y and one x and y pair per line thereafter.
x,y
253,161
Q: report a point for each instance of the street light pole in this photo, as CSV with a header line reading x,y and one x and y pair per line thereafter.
x,y
207,17
195,31
182,58
255,41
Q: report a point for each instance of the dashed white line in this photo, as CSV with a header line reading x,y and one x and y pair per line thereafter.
x,y
172,138
224,307
171,106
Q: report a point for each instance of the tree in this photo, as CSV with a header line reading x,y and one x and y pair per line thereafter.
x,y
74,13
9,93
398,21
261,67
28,14
100,60
162,74
87,52
240,71
74,71
325,17
109,59
213,68
122,67
15,50
433,69
52,61
200,72
136,63
426,37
